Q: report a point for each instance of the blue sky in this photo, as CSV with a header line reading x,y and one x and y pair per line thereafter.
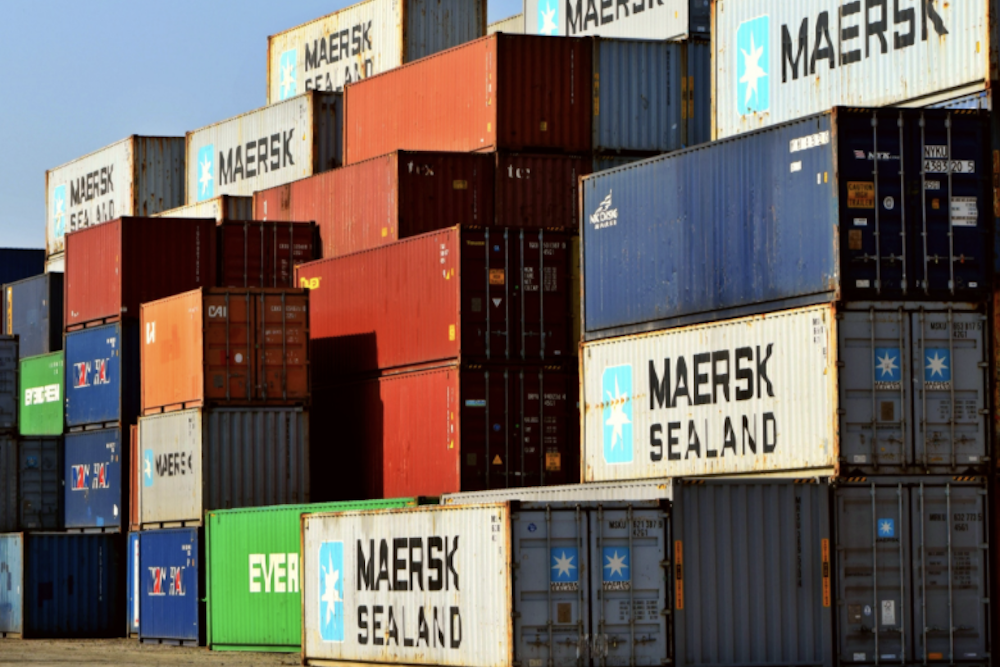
x,y
79,75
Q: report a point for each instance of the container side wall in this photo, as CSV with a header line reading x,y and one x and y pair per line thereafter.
x,y
220,208
33,310
513,24
670,19
20,263
42,394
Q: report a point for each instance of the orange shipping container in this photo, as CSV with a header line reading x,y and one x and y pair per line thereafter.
x,y
225,347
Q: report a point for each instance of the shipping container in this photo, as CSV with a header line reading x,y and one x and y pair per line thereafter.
x,y
512,24
752,574
809,389
783,47
95,495
269,146
39,488
795,214
225,346
56,263
102,375
264,254
171,573
111,270
41,395
652,489
651,96
33,310
221,209
912,583
132,585
370,38
20,263
490,94
495,295
9,370
252,574
222,458
449,429
137,176
10,506
537,191
644,19
62,586
134,479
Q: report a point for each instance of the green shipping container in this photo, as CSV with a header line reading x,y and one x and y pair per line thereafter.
x,y
41,392
252,582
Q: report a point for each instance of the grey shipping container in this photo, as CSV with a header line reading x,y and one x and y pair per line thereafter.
x,y
9,396
33,310
40,484
912,571
752,573
647,489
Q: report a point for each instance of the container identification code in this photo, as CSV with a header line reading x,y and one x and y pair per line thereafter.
x,y
809,141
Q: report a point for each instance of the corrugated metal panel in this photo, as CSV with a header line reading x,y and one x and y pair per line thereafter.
x,y
171,568
137,176
111,270
9,366
371,37
751,563
20,263
792,69
198,460
652,489
748,395
222,208
663,19
751,235
261,546
41,487
539,191
912,571
471,593
33,310
264,254
13,592
10,507
134,478
441,103
102,375
42,394
133,580
266,147
95,495
980,100
512,24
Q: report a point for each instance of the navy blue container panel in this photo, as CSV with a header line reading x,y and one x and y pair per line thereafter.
x,y
19,263
33,310
95,495
133,579
169,564
102,375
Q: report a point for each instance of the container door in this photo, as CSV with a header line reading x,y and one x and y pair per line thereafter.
x,y
8,383
629,604
95,466
41,495
11,583
169,595
551,588
487,301
133,583
228,349
874,389
949,356
873,545
950,561
544,295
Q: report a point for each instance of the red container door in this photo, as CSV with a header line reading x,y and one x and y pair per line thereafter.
x,y
282,360
539,191
229,348
263,254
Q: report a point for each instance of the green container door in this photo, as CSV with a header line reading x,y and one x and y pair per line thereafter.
x,y
254,601
41,393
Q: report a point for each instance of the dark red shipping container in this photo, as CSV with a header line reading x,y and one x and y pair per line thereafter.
x,y
501,92
539,191
113,268
457,294
264,254
449,429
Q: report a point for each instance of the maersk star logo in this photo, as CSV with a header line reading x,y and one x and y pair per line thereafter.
x,y
206,172
331,585
286,72
147,468
548,17
564,566
887,368
753,55
937,366
887,528
617,397
617,568
59,211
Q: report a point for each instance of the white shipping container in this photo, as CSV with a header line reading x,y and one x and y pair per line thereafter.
x,y
366,39
422,586
777,60
511,25
220,209
636,19
137,176
641,490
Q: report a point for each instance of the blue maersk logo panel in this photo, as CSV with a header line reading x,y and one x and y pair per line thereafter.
x,y
616,392
887,528
937,368
617,575
753,58
147,468
331,591
287,74
888,369
206,172
548,17
564,569
59,211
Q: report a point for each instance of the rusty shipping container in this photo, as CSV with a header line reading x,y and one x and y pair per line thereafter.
x,y
264,254
502,92
225,347
113,268
537,191
497,295
225,207
449,429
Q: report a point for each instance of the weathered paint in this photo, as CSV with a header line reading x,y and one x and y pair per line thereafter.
x,y
33,310
9,366
226,207
95,493
171,569
638,19
102,375
42,394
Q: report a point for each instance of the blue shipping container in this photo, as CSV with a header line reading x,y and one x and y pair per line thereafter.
x,y
170,593
795,214
102,375
132,583
651,96
20,263
33,310
60,585
95,495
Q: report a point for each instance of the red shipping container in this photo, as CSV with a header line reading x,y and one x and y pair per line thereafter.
x,y
449,429
501,92
114,267
539,191
264,254
387,198
500,295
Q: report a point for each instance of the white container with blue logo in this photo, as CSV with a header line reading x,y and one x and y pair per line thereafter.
x,y
170,575
96,492
869,387
637,19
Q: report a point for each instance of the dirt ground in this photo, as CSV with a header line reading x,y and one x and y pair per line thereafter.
x,y
94,652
